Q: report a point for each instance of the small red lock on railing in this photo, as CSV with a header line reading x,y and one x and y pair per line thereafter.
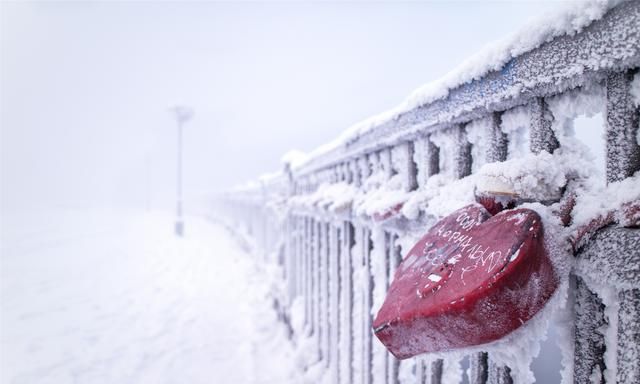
x,y
472,279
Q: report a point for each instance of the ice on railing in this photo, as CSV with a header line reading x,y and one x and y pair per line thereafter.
x,y
537,177
569,19
383,198
533,176
591,203
337,197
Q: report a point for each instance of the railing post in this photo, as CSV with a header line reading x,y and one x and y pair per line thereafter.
x,y
385,163
365,168
292,270
628,369
347,306
334,294
355,173
542,137
498,141
479,368
433,158
368,300
303,269
373,160
381,283
499,374
422,370
623,152
589,341
463,159
420,160
318,289
312,276
410,182
623,160
300,258
325,294
436,372
359,303
395,257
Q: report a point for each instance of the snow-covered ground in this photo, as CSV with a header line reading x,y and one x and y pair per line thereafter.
x,y
116,298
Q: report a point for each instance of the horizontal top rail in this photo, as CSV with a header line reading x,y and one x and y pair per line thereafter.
x,y
566,62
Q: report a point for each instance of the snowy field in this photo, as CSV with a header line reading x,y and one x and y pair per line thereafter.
x,y
116,298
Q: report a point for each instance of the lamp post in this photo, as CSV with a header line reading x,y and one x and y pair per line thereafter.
x,y
182,114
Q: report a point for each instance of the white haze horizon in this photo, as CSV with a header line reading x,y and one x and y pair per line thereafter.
x,y
84,87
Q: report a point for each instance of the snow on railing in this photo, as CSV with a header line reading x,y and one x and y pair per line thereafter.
x,y
339,221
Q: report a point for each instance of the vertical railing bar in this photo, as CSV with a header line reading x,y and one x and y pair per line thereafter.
x,y
329,295
497,149
385,283
325,294
412,169
310,274
395,257
589,341
351,244
307,279
360,322
463,159
386,163
422,371
479,368
433,155
541,135
623,151
628,368
310,299
318,289
330,292
305,260
436,372
499,374
293,259
336,301
300,258
298,255
368,294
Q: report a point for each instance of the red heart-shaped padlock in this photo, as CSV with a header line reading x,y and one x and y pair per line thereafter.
x,y
470,280
388,213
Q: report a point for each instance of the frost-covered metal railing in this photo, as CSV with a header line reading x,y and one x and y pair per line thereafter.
x,y
339,223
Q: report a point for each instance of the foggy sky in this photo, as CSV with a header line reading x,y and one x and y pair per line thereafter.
x,y
84,87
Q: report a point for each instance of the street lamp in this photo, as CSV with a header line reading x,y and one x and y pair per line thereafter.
x,y
182,114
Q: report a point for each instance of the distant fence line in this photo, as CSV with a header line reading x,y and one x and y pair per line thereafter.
x,y
337,260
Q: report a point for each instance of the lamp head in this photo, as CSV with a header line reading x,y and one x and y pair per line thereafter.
x,y
182,113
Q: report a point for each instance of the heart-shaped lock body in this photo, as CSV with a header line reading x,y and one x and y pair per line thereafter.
x,y
471,279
